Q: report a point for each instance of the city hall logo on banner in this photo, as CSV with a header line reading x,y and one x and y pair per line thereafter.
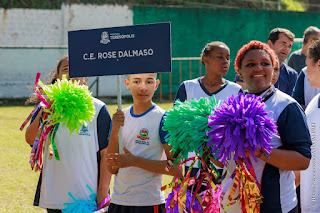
x,y
143,134
104,38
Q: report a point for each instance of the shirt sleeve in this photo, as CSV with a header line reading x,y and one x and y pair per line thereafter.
x,y
237,79
293,130
35,115
181,93
298,90
162,133
103,127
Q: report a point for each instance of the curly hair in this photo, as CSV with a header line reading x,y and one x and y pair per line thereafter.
x,y
253,45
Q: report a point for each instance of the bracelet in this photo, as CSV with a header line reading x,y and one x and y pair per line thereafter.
x,y
266,155
260,154
169,164
106,200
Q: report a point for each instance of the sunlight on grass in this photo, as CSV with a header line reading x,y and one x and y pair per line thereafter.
x,y
17,181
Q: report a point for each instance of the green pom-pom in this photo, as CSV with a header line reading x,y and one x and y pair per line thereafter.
x,y
72,104
187,125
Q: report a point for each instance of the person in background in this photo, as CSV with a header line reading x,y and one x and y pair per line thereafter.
x,y
215,57
239,81
303,92
281,40
297,59
276,71
310,182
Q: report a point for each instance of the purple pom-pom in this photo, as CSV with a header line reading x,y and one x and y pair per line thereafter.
x,y
196,205
240,124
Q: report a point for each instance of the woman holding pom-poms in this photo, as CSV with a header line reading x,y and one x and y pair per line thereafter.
x,y
271,167
70,158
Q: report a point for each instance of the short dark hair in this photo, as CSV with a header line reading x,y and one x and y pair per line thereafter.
x,y
310,32
211,46
314,51
274,34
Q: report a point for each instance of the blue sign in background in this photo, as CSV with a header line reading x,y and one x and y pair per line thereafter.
x,y
120,50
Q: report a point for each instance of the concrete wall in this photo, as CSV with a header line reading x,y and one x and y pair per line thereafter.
x,y
28,27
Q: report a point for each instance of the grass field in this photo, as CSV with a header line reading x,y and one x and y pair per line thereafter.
x,y
17,181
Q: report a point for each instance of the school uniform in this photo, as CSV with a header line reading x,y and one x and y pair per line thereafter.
x,y
303,92
287,79
310,181
136,189
277,185
79,163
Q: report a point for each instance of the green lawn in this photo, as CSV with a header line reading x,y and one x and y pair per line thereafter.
x,y
17,181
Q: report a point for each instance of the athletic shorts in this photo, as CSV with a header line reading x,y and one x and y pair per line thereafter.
x,y
54,211
114,208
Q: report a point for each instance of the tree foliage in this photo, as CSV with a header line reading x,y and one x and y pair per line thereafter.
x,y
292,5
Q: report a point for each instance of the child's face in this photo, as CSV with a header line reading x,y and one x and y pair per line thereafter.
x,y
142,86
218,61
64,70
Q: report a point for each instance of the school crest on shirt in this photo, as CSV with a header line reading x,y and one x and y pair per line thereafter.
x,y
84,131
143,135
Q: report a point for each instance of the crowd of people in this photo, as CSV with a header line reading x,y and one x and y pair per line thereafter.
x,y
138,166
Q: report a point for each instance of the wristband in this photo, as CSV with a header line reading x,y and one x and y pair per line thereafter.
x,y
106,200
266,155
169,164
260,154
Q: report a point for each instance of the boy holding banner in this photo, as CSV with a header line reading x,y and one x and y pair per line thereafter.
x,y
139,170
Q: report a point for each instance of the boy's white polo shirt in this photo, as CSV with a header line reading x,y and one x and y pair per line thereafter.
x,y
134,186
